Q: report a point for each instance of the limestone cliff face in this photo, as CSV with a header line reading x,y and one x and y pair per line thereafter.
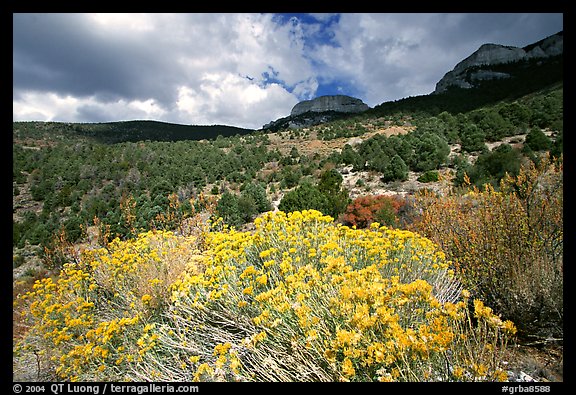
x,y
492,54
337,103
320,110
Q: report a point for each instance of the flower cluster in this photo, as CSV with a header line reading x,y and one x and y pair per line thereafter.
x,y
299,299
94,317
305,299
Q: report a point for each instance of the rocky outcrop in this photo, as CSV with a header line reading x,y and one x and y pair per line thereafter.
x,y
476,67
337,103
316,111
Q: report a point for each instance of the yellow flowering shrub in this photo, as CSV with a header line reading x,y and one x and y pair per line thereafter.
x,y
299,299
304,299
94,321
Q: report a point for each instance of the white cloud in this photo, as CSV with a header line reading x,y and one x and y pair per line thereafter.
x,y
251,45
32,106
232,100
226,68
52,107
222,98
123,22
381,55
205,68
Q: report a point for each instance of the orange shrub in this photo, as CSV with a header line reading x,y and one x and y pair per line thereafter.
x,y
378,208
507,245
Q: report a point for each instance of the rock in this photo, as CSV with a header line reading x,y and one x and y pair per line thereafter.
x,y
520,376
489,54
487,75
550,46
337,103
355,141
525,377
463,76
320,110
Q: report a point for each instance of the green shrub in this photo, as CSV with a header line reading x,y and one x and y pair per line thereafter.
x,y
429,176
537,140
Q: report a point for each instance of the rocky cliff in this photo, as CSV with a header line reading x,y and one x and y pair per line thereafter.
x,y
476,67
337,103
320,110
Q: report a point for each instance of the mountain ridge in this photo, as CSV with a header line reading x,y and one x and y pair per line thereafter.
x,y
138,130
337,103
477,67
495,71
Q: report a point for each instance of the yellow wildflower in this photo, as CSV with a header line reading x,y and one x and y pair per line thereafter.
x,y
348,368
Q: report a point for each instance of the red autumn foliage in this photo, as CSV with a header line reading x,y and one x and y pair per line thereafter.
x,y
377,208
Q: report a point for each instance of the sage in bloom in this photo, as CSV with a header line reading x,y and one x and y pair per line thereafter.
x,y
310,300
301,298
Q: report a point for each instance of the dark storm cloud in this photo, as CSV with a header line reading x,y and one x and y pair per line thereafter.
x,y
94,113
63,53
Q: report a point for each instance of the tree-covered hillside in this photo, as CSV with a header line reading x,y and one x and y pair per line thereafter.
x,y
143,240
117,132
527,76
64,179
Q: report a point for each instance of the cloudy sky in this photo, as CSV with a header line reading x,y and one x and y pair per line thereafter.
x,y
239,69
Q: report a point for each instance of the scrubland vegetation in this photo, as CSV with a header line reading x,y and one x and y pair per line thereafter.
x,y
299,299
165,261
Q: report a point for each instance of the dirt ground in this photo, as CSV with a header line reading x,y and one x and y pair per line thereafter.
x,y
542,363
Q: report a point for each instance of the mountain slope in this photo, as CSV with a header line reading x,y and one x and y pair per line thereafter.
x,y
117,132
526,76
491,74
479,66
